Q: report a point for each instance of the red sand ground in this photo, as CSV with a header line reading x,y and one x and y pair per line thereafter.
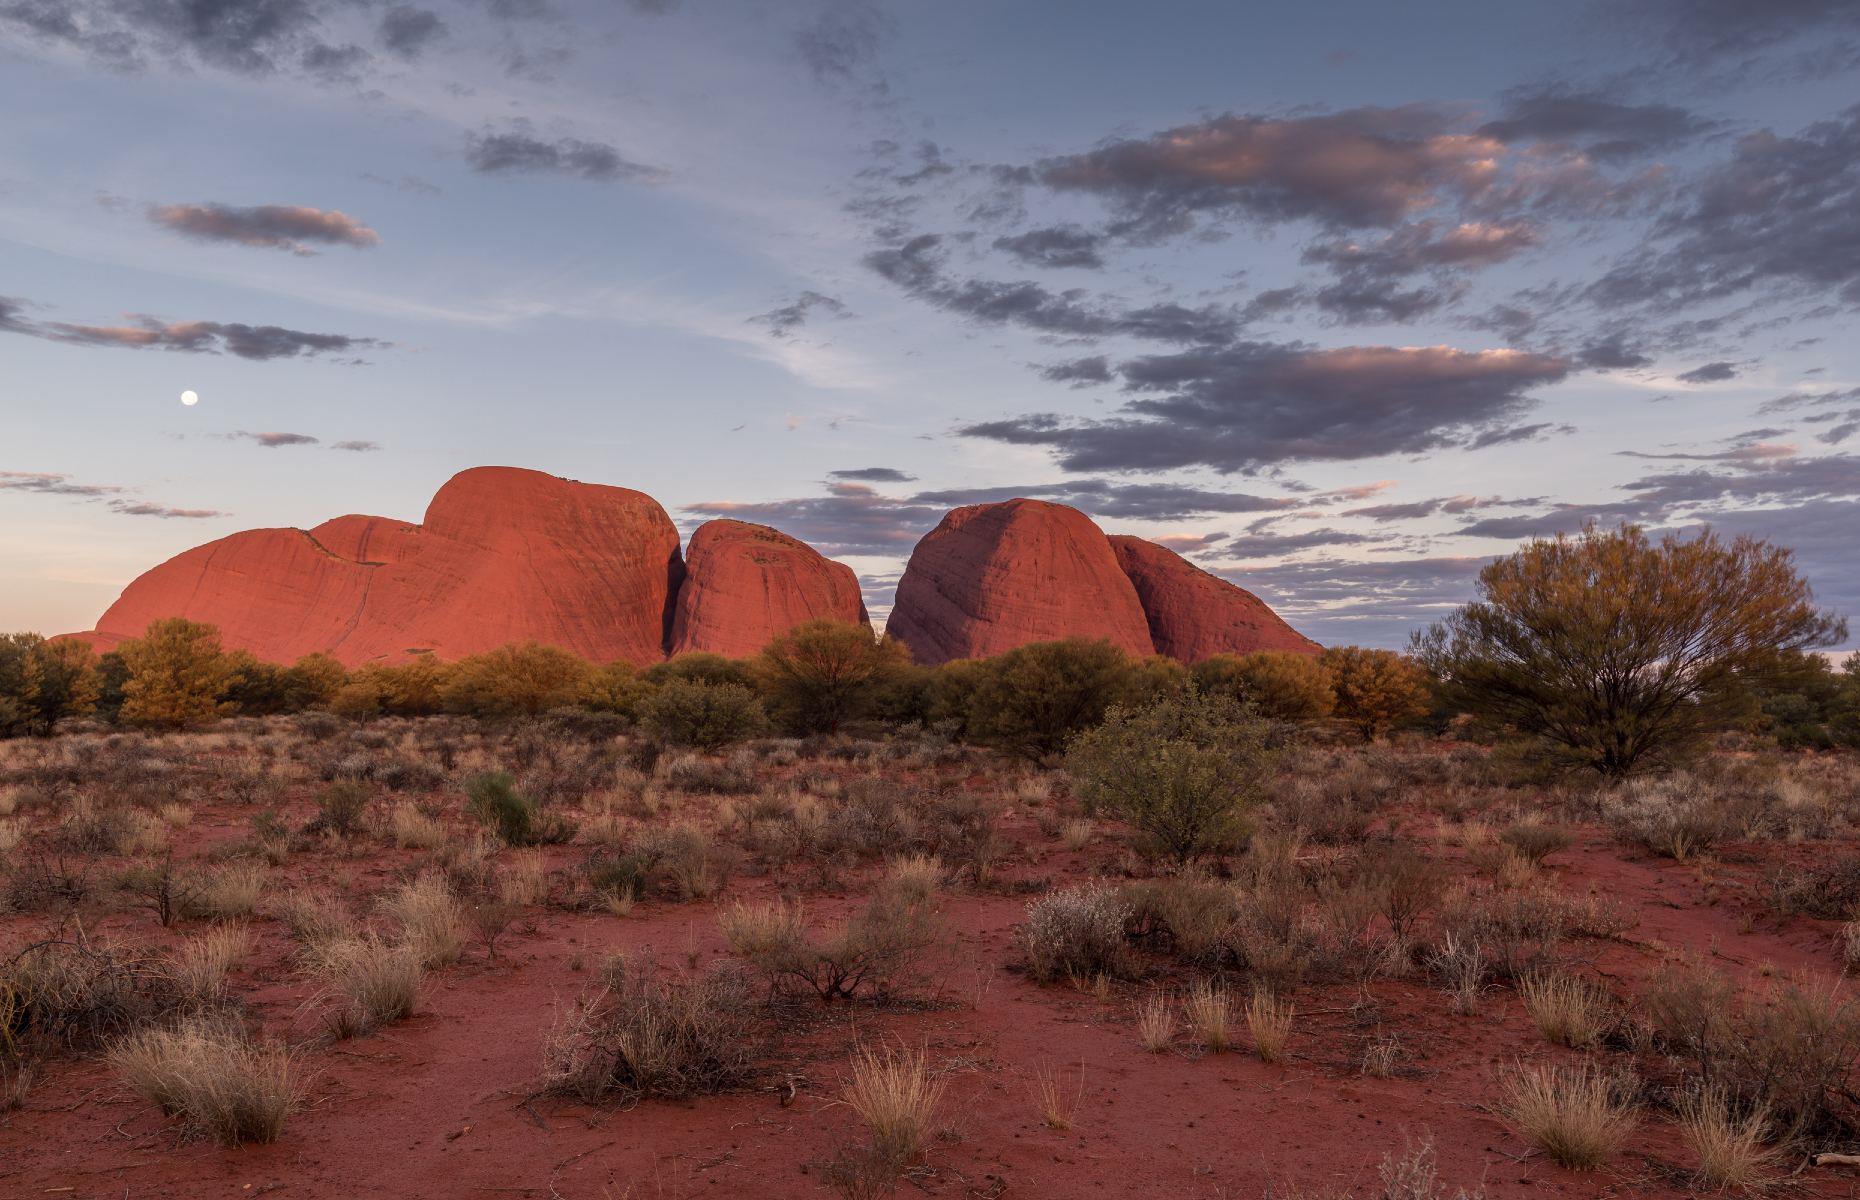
x,y
443,1105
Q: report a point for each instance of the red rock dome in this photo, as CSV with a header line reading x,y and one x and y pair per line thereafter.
x,y
745,584
1194,615
503,555
991,577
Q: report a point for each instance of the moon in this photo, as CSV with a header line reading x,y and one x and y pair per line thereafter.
x,y
190,398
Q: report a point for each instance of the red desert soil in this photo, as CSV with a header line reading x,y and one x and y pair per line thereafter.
x,y
445,1104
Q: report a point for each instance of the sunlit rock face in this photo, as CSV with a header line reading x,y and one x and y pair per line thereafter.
x,y
747,584
502,555
991,577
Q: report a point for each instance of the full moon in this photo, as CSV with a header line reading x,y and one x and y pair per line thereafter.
x,y
190,398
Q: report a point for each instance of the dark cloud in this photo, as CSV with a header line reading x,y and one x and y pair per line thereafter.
x,y
852,518
1129,501
1818,36
1711,372
917,267
1781,214
784,320
49,483
1272,545
406,31
1612,354
518,152
1604,126
274,226
275,440
1252,404
1441,504
257,342
1059,246
1369,603
247,37
840,44
873,475
356,446
1518,433
1094,368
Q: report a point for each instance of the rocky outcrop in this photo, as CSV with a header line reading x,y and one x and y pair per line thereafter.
x,y
747,584
502,555
991,577
1193,615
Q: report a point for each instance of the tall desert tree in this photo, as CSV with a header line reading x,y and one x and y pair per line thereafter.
x,y
821,674
1621,649
179,676
42,682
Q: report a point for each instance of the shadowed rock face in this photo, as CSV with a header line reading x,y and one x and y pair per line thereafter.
x,y
991,577
747,584
502,555
1194,615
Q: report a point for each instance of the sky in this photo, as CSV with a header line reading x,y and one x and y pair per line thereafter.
x,y
1339,300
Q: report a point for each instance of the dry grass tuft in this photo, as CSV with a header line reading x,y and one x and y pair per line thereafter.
x,y
374,982
232,891
431,919
1269,1020
1210,1016
896,1096
1730,1149
200,965
1572,1113
1568,1011
212,1076
1058,1104
1156,1023
411,829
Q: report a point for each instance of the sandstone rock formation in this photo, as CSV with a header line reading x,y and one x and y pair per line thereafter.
x,y
1194,615
746,584
503,555
991,577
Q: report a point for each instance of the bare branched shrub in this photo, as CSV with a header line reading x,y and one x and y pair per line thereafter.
x,y
877,950
1573,1114
1077,932
1413,1175
213,1076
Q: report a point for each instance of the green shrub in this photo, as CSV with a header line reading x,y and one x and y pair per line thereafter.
x,y
521,679
515,818
1033,699
706,715
819,675
43,682
1185,771
1278,683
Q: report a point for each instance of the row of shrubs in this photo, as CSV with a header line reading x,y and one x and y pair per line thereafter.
x,y
816,678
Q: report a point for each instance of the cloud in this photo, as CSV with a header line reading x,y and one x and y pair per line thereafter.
x,y
1370,602
917,267
356,446
1735,33
1604,126
257,342
840,44
1272,545
275,226
51,484
516,151
785,319
1079,371
1414,509
275,440
1059,246
1711,372
1253,404
873,475
1612,353
407,31
1781,214
852,518
144,508
1370,276
1130,501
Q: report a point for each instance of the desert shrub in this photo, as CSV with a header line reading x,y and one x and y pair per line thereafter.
x,y
520,679
1186,915
313,681
1278,684
1676,816
614,689
340,808
645,1035
371,982
211,1075
1185,771
711,776
42,683
79,992
875,952
679,863
1375,689
709,716
1079,933
512,816
1573,1114
1033,699
177,676
821,674
1827,891
1533,841
1518,932
1336,807
1622,650
700,666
